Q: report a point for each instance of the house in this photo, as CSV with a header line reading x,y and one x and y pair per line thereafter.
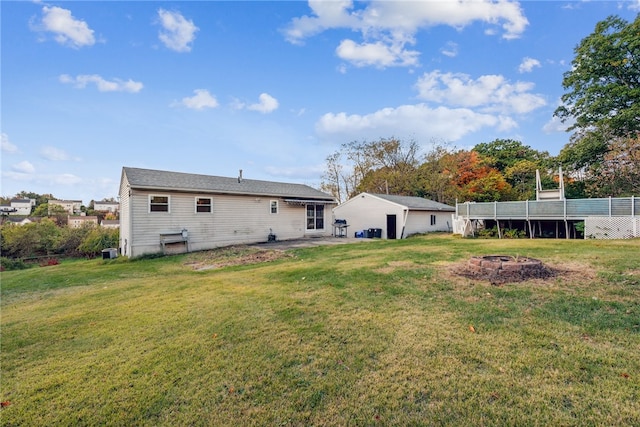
x,y
81,221
72,207
106,206
20,220
396,217
162,211
110,223
22,206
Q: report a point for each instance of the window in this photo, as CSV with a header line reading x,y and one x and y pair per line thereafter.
x,y
315,217
433,220
158,203
274,206
203,204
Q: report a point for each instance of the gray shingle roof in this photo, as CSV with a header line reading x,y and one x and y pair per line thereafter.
x,y
417,203
178,181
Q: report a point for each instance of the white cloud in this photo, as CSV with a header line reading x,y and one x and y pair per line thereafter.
x,y
7,146
54,154
528,64
103,85
177,32
489,93
420,121
388,26
556,125
450,49
378,54
201,100
266,104
24,167
68,31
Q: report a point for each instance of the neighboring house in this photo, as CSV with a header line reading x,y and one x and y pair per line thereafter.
x,y
106,206
174,211
20,221
80,221
72,207
22,206
395,216
110,223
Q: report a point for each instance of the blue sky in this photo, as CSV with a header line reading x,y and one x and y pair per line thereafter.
x,y
272,88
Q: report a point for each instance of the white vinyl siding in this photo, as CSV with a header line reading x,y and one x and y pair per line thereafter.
x,y
235,219
366,211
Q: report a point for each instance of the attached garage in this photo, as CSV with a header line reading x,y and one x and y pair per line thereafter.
x,y
394,217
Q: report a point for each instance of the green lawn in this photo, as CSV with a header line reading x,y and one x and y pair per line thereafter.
x,y
377,333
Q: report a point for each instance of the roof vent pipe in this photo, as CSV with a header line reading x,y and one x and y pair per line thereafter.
x,y
240,176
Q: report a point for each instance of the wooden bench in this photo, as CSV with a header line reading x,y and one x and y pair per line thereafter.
x,y
174,237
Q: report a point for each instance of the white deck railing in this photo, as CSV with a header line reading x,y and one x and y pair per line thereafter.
x,y
573,209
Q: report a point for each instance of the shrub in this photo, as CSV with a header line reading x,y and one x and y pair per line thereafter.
x,y
12,264
38,238
97,240
487,233
513,233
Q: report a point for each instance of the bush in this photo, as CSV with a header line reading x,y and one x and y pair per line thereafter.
x,y
38,238
72,238
12,264
97,240
487,233
513,233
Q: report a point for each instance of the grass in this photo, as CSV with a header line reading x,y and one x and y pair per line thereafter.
x,y
365,334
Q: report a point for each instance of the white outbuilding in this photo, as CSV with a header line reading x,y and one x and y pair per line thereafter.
x,y
392,217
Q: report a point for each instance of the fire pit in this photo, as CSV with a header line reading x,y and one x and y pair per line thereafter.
x,y
500,269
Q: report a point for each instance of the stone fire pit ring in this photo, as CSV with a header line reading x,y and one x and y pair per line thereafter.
x,y
506,268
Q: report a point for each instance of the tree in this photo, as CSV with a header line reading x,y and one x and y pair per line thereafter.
x,y
619,174
522,176
435,175
335,180
505,153
604,82
391,166
476,180
371,166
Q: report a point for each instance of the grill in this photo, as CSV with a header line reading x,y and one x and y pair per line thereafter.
x,y
340,228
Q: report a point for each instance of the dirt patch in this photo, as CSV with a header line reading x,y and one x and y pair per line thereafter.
x,y
500,269
231,256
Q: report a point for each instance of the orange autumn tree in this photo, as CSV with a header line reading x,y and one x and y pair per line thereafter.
x,y
475,180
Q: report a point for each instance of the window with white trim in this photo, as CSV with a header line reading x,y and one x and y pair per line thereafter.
x,y
158,203
203,204
315,217
273,206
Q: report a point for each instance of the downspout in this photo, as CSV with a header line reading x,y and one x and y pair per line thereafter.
x,y
130,222
404,222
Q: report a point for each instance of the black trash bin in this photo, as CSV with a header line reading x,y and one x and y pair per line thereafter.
x,y
375,233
